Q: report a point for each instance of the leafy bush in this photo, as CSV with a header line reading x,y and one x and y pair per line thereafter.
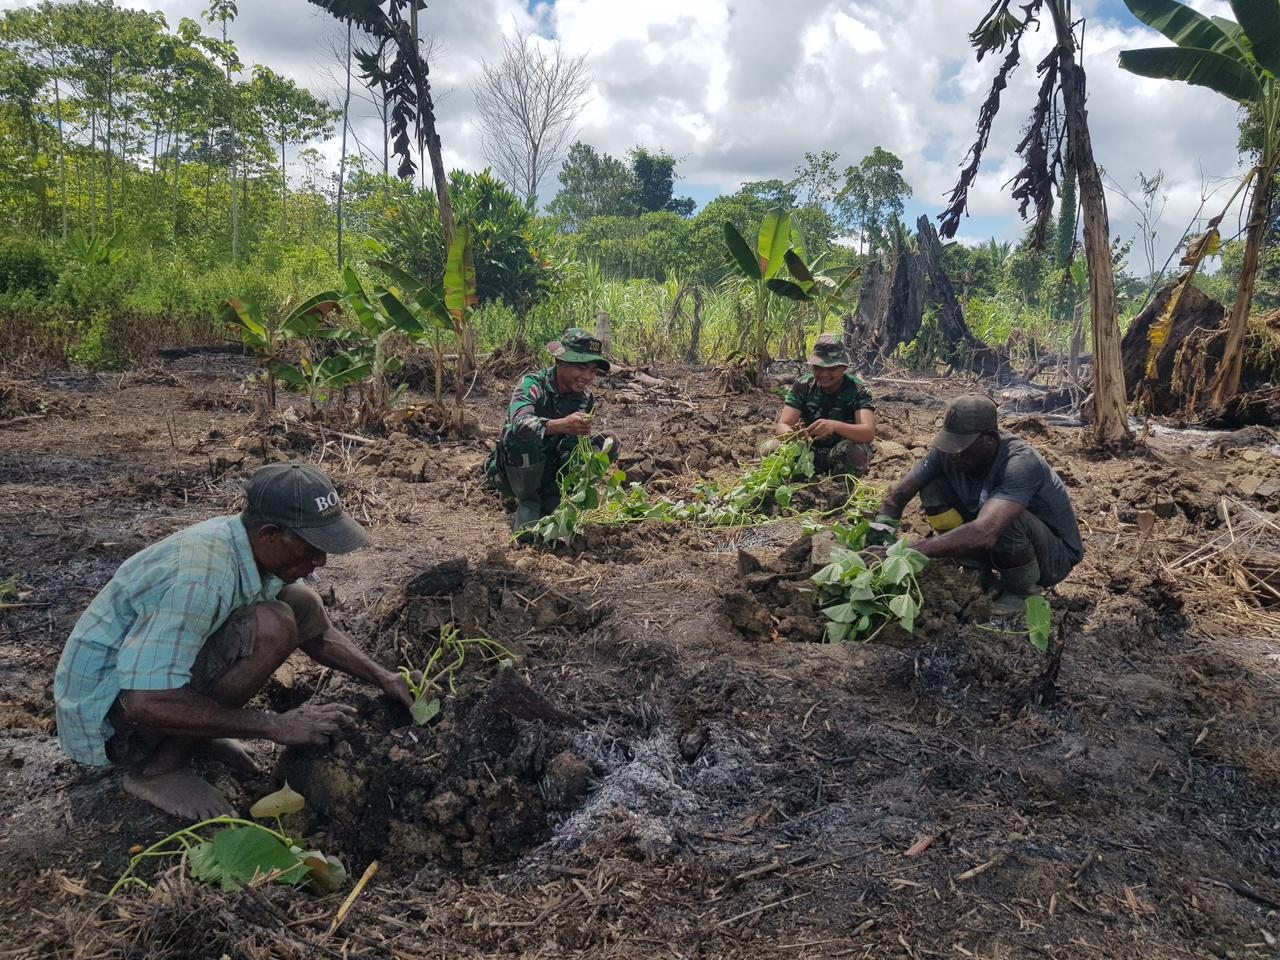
x,y
25,266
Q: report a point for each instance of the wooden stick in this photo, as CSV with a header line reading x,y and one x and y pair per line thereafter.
x,y
343,910
761,909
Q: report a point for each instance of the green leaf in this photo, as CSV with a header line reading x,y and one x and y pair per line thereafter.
x,y
318,306
283,801
1039,622
244,314
1201,67
1260,20
831,573
785,288
460,277
405,280
840,613
238,854
399,314
327,874
905,608
741,252
773,241
1185,27
423,711
798,268
836,632
894,569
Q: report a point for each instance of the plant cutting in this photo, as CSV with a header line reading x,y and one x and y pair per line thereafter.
x,y
859,600
429,683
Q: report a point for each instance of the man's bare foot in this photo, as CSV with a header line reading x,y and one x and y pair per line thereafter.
x,y
230,753
180,793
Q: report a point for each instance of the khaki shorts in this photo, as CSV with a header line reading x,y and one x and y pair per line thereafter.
x,y
235,640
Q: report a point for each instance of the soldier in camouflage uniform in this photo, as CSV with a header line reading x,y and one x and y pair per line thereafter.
x,y
833,408
549,411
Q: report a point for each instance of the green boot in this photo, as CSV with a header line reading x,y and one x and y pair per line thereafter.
x,y
1018,583
526,487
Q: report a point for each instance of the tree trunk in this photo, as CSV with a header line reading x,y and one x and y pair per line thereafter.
x,y
93,176
1110,419
604,330
342,162
1077,342
62,148
284,187
1227,381
110,173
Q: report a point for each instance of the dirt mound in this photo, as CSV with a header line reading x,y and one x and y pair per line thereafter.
x,y
22,401
471,790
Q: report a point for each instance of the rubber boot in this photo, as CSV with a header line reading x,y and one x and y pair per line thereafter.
x,y
1018,583
526,486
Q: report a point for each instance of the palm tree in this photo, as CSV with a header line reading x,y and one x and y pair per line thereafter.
x,y
1241,61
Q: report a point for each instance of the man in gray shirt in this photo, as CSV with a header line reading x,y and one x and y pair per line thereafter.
x,y
990,497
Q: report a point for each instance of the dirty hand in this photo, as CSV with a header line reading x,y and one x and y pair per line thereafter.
x,y
312,725
395,687
821,429
576,424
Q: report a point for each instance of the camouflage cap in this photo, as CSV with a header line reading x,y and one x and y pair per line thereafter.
x,y
578,346
829,351
966,419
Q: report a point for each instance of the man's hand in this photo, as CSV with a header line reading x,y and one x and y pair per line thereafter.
x,y
821,429
395,687
576,424
312,725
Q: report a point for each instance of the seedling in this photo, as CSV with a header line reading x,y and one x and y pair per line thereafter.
x,y
242,853
1039,622
429,684
580,482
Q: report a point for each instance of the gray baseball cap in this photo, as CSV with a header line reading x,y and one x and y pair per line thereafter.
x,y
967,418
300,498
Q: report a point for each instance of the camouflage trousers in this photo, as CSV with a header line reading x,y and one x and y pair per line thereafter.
x,y
842,458
523,468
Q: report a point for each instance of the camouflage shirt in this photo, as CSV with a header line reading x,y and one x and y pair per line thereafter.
x,y
534,401
815,404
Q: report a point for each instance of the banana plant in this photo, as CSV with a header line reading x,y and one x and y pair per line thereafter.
x,y
776,236
264,336
381,315
446,308
427,306
1241,60
320,380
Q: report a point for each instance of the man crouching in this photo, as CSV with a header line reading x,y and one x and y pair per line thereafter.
x,y
161,664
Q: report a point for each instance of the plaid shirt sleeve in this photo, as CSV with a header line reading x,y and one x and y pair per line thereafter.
x,y
160,649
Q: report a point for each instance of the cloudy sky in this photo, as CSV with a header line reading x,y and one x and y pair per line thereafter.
x,y
740,89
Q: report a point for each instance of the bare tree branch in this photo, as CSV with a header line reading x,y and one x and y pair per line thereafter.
x,y
528,103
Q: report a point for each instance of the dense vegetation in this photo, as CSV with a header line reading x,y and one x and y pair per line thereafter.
x,y
147,174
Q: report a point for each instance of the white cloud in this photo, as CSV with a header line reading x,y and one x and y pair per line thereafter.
x,y
740,89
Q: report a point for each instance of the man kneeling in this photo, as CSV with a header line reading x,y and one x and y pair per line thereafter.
x,y
832,408
163,661
992,501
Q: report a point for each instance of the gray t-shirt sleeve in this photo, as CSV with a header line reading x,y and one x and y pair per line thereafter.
x,y
928,469
1021,481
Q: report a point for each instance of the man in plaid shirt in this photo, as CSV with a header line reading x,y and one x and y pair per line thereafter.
x,y
164,659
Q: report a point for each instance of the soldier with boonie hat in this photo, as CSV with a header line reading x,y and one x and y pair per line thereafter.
x,y
549,410
831,407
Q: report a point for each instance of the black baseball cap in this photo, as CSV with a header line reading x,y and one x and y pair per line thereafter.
x,y
300,498
967,418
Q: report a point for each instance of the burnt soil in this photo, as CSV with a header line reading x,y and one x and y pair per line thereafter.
x,y
668,769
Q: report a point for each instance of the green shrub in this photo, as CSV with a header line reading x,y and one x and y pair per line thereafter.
x,y
25,266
